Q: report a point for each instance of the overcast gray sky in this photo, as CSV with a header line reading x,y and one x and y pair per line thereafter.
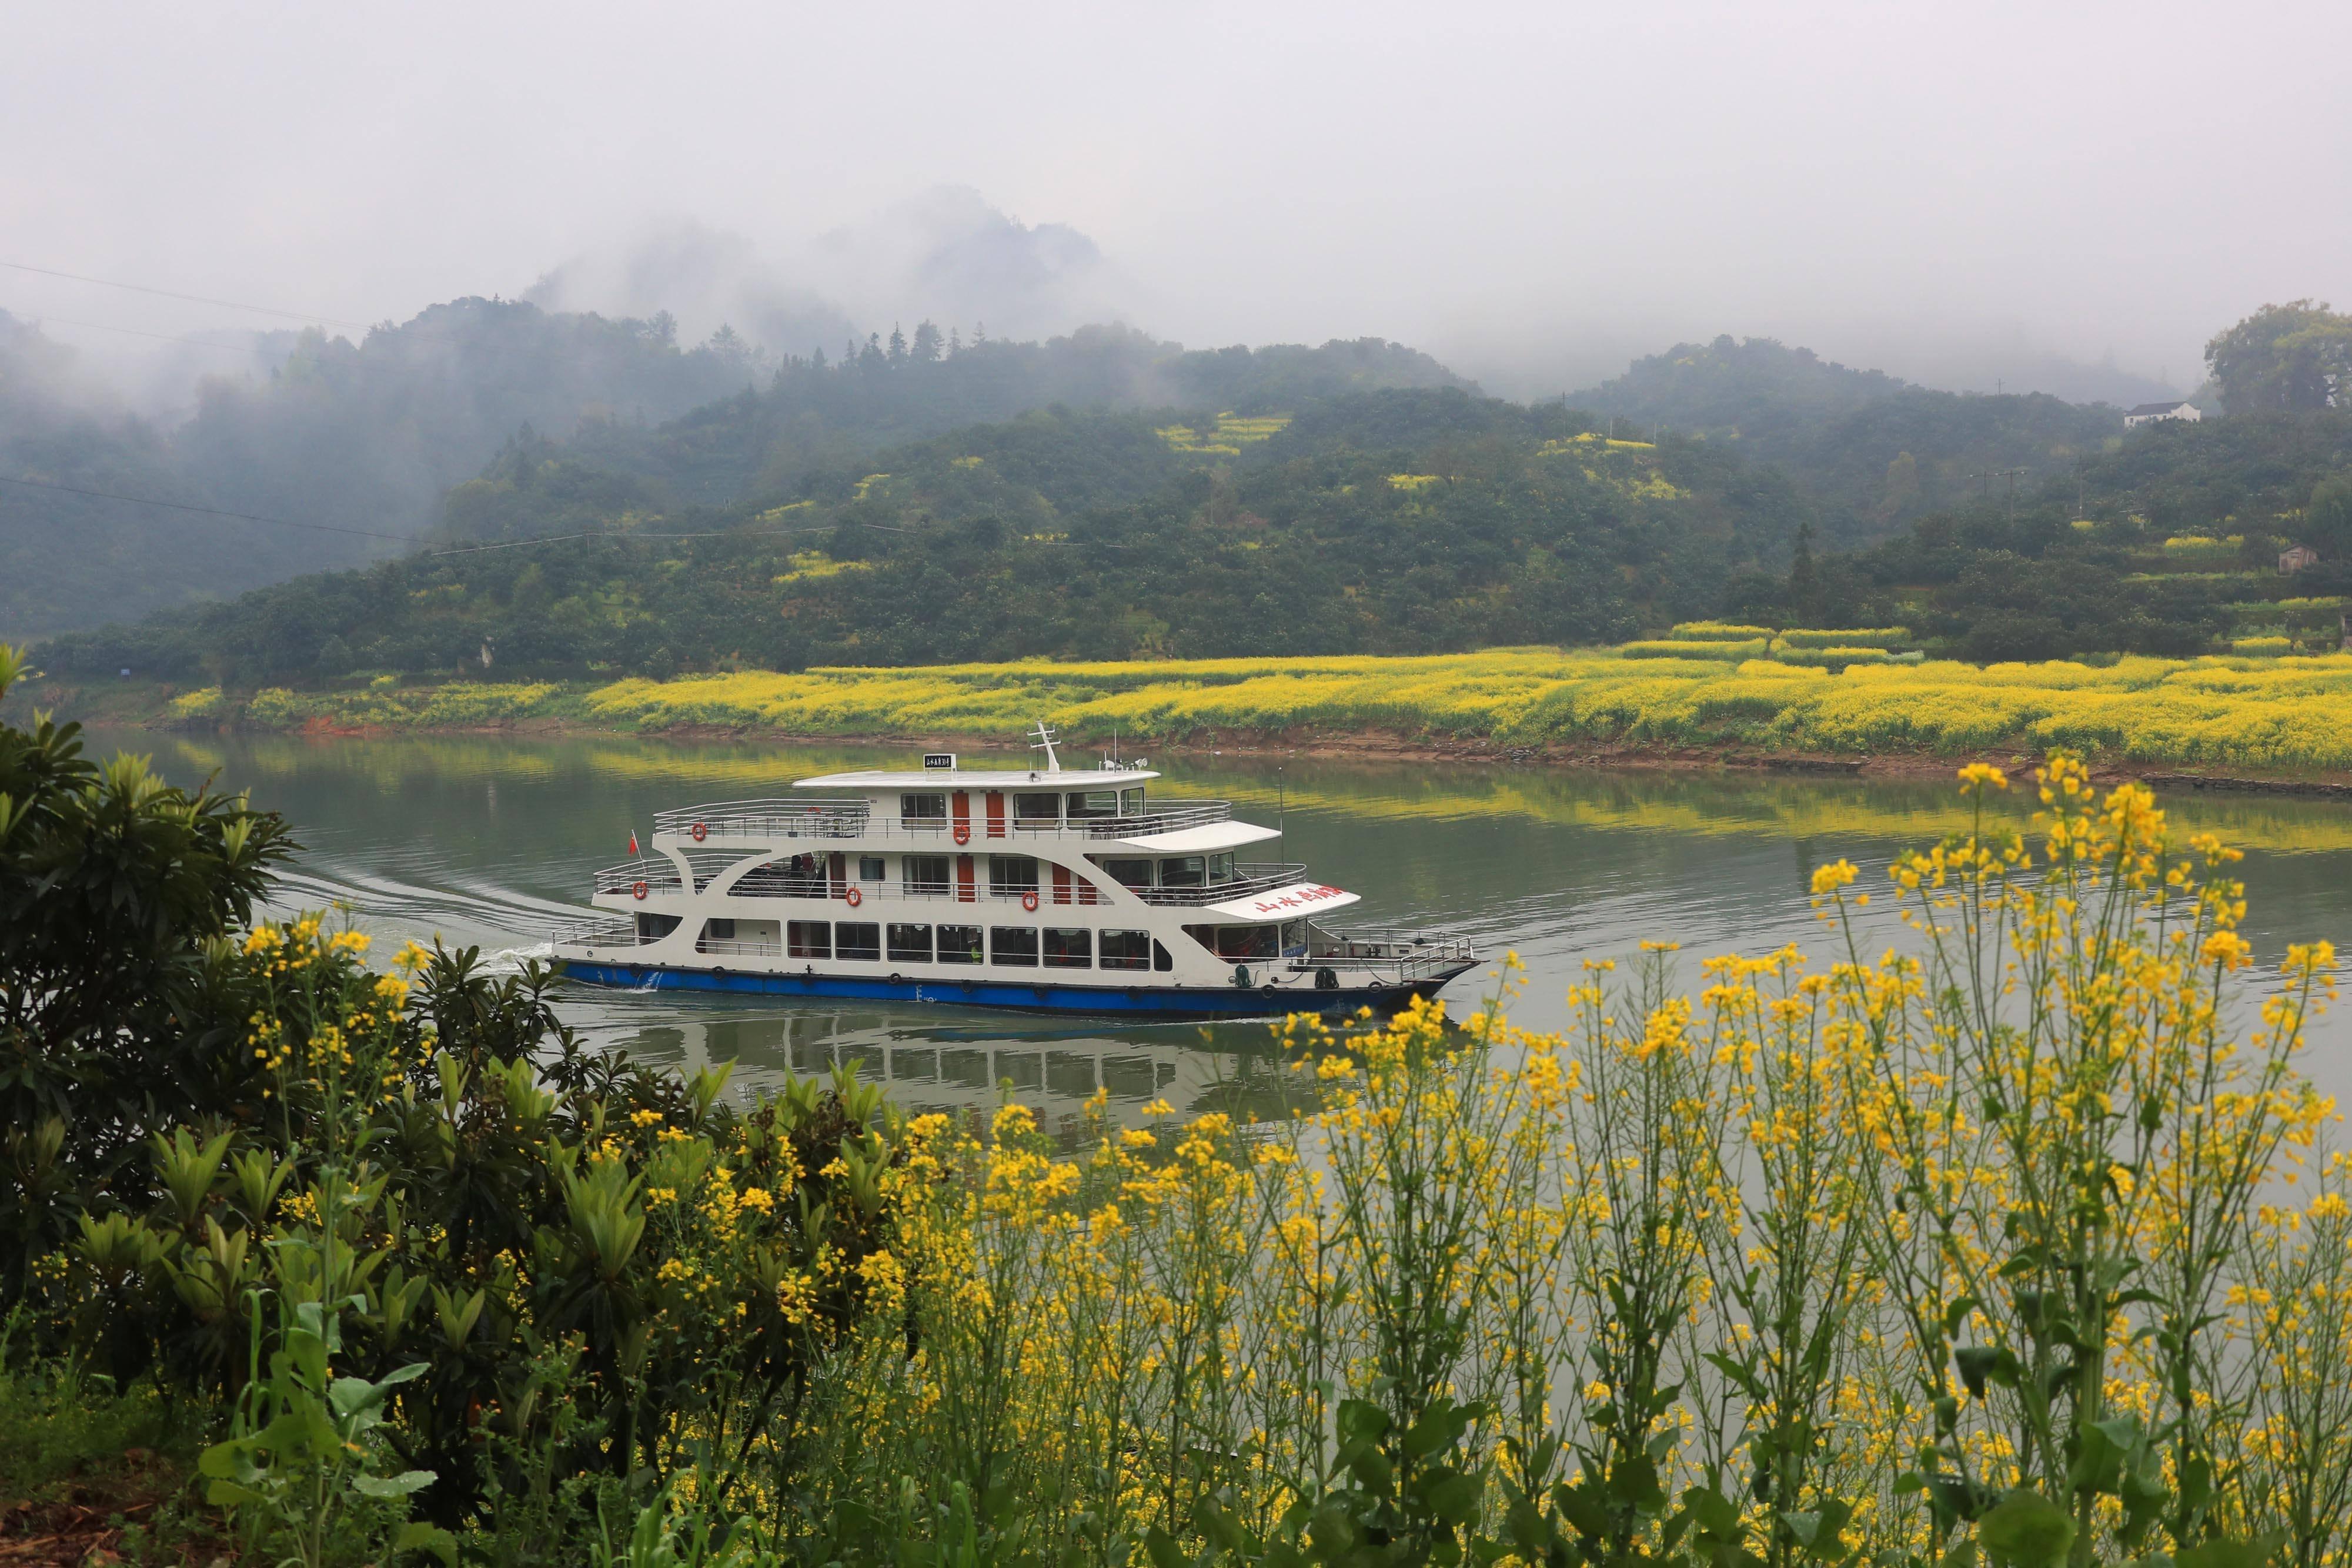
x,y
1532,192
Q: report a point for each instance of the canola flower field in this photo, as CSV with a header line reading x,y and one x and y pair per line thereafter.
x,y
2233,710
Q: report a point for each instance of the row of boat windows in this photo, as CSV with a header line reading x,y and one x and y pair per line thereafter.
x,y
932,874
1009,947
1033,806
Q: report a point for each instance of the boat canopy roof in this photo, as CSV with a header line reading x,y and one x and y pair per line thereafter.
x,y
1206,838
1284,902
979,778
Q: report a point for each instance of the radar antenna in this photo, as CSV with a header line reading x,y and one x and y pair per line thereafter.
x,y
1041,740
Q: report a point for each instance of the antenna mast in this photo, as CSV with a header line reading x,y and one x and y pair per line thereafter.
x,y
1043,741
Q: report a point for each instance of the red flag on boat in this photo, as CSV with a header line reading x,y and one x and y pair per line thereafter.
x,y
633,841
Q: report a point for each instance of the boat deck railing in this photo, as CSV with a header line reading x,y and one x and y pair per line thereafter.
x,y
658,875
1409,955
1167,817
725,947
597,933
1246,880
804,819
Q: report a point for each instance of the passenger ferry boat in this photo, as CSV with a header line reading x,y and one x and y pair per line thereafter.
x,y
1062,890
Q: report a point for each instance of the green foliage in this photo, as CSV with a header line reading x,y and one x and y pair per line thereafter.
x,y
430,1251
326,432
2296,356
1872,453
1061,535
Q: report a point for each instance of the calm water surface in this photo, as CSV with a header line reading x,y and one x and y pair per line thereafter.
x,y
490,842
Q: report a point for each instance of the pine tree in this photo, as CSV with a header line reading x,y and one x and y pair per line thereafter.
x,y
926,346
897,345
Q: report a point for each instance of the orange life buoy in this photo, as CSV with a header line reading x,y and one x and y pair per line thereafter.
x,y
1029,899
853,898
638,891
700,833
963,832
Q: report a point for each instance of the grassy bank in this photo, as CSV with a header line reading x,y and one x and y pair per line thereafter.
x,y
2233,711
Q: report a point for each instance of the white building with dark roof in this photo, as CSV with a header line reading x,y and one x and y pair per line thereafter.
x,y
2149,413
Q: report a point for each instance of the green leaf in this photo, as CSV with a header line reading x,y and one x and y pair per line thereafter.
x,y
419,1536
224,1459
2220,1553
350,1395
404,1484
1453,1496
2025,1530
1360,1420
1979,1364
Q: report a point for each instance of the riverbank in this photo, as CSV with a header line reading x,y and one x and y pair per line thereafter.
x,y
2273,723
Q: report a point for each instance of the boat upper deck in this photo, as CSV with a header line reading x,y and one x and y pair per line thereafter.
x,y
961,778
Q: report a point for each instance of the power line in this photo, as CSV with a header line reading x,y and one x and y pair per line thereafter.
x,y
208,511
192,298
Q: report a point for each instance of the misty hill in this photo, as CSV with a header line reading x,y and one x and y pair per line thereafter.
x,y
2167,541
364,436
815,411
1874,451
1390,521
371,437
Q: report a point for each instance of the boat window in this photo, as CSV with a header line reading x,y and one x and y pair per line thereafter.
x,y
1221,867
1069,947
808,939
1085,803
925,876
911,944
1131,802
958,945
869,868
1132,873
653,927
856,940
1037,810
1127,949
1249,941
1012,875
926,812
1238,941
719,930
1162,960
1014,945
1182,871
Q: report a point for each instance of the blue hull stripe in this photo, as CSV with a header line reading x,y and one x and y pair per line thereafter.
x,y
1191,1002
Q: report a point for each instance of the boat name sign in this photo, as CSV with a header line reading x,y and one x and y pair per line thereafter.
x,y
1302,896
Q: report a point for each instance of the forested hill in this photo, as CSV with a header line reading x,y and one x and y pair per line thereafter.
x,y
1873,452
1388,521
364,436
363,442
811,412
2168,543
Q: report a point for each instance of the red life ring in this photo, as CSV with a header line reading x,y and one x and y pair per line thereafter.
x,y
700,833
1029,899
853,898
963,832
638,891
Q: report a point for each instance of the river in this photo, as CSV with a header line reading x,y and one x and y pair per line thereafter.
x,y
490,841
